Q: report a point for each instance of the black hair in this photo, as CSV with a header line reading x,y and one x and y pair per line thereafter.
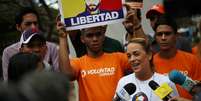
x,y
45,86
20,64
139,14
153,13
102,28
166,20
23,11
9,92
37,40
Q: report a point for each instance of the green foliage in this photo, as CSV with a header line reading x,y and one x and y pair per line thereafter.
x,y
8,33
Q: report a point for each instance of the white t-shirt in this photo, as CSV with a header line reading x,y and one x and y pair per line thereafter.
x,y
142,86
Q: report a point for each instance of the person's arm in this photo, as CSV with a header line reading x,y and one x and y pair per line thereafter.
x,y
132,24
5,61
64,60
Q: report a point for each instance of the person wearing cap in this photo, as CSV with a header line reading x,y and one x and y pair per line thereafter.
x,y
25,19
153,14
32,41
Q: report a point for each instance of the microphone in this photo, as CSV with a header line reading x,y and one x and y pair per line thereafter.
x,y
140,96
125,92
162,91
179,78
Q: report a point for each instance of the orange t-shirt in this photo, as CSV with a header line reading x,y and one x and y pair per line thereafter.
x,y
98,77
184,62
194,50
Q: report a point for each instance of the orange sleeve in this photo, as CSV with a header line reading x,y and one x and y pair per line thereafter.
x,y
124,61
125,64
197,69
194,50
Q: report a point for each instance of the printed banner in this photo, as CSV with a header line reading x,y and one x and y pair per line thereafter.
x,y
78,14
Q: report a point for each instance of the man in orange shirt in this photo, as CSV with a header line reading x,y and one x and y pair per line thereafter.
x,y
169,58
97,72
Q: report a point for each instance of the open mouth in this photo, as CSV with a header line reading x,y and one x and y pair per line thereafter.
x,y
135,65
93,7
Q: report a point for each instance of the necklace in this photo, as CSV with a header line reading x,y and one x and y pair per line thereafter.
x,y
144,83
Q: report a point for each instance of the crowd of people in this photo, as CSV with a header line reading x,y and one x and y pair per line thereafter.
x,y
37,70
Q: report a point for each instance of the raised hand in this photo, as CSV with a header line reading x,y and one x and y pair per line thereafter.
x,y
60,27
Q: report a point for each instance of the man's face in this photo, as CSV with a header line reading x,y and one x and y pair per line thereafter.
x,y
40,50
93,39
92,5
29,21
165,37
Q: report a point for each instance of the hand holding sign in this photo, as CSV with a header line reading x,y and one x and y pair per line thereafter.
x,y
132,20
90,13
60,27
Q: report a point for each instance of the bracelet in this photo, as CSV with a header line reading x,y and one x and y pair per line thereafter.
x,y
138,27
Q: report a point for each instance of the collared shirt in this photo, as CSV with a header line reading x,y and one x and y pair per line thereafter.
x,y
51,56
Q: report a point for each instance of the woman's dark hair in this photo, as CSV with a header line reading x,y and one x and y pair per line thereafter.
x,y
166,20
20,64
145,45
23,11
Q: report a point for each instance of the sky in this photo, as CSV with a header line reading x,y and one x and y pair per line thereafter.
x,y
55,5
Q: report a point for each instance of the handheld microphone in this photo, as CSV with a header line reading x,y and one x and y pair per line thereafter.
x,y
140,96
162,91
179,78
125,92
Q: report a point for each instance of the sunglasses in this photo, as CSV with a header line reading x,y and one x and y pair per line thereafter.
x,y
165,33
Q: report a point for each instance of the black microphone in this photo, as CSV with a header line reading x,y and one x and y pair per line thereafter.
x,y
163,93
125,92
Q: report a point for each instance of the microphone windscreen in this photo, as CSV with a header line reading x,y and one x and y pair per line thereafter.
x,y
130,88
153,85
177,77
